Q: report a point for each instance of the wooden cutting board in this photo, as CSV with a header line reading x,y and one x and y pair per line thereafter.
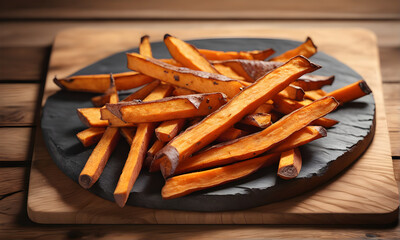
x,y
365,193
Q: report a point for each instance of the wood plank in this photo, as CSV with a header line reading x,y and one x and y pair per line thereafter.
x,y
390,58
18,104
15,144
12,193
392,105
196,232
42,33
208,9
23,63
77,206
15,224
12,180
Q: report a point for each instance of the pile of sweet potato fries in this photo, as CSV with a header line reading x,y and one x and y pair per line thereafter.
x,y
204,118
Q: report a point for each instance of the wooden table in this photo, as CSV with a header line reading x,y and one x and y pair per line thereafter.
x,y
26,36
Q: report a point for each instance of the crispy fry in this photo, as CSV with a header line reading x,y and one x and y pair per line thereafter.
x,y
114,121
315,94
143,92
91,117
99,101
99,83
299,138
313,82
183,77
290,164
145,47
247,101
90,136
179,91
157,145
264,108
187,55
251,70
286,106
227,71
169,129
258,143
307,49
187,183
168,108
128,133
260,120
137,152
250,55
351,92
230,134
293,92
172,62
133,163
101,153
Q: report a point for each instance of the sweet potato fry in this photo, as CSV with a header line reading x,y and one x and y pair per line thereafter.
x,y
187,55
90,136
313,82
290,164
99,101
133,163
227,71
137,152
250,55
230,134
306,49
169,129
251,70
179,91
183,77
157,145
299,138
286,106
182,185
258,143
172,62
315,94
264,108
351,92
168,108
99,157
138,95
143,92
244,103
101,153
260,120
128,133
91,117
99,83
293,92
145,47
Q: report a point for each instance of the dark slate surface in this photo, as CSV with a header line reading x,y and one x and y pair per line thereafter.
x,y
322,159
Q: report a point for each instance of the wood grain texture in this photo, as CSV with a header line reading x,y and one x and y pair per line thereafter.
x,y
390,56
18,104
224,9
12,179
392,105
19,139
42,33
23,63
334,202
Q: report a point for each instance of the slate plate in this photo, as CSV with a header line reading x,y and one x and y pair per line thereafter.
x,y
322,159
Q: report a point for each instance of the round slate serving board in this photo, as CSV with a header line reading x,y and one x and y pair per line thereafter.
x,y
322,159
